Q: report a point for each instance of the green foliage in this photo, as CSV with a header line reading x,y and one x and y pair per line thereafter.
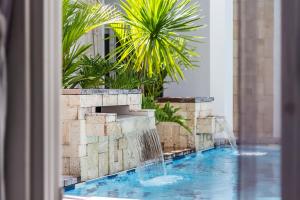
x,y
124,79
166,113
153,37
93,71
129,79
80,18
148,102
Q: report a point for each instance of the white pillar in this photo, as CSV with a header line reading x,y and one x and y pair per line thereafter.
x,y
221,57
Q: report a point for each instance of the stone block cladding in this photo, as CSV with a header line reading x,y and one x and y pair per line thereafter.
x,y
93,143
198,112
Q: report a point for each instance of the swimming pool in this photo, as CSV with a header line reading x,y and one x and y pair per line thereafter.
x,y
209,175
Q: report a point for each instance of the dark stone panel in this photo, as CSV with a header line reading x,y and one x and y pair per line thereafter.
x,y
185,99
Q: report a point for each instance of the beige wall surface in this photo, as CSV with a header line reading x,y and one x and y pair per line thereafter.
x,y
253,70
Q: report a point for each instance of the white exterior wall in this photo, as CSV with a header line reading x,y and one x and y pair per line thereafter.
x,y
221,57
197,81
214,77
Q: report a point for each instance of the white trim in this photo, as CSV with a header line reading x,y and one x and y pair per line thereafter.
x,y
52,76
27,78
277,70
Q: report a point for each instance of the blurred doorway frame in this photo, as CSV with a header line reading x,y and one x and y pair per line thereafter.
x,y
32,164
34,60
290,84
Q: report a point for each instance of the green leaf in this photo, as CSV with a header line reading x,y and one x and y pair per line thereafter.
x,y
80,18
154,33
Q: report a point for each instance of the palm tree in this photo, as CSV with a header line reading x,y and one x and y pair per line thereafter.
x,y
156,35
80,18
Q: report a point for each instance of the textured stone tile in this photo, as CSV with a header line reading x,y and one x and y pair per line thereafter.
x,y
113,129
110,100
206,106
77,131
103,144
83,111
95,118
94,129
64,101
183,131
134,99
91,100
122,99
75,167
135,107
74,150
74,100
69,113
268,122
183,142
65,133
66,166
92,139
111,117
115,167
92,161
205,113
130,160
123,143
152,122
84,168
206,125
190,107
103,164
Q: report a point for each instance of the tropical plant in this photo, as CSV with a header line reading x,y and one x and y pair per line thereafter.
x,y
125,79
128,79
80,18
156,35
93,71
148,102
166,113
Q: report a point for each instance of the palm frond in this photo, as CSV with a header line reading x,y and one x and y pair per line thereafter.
x,y
154,33
94,70
166,113
80,18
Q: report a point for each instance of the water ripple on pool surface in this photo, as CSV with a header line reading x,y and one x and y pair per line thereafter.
x,y
211,175
245,153
161,180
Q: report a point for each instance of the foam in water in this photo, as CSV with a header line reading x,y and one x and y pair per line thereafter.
x,y
161,180
244,153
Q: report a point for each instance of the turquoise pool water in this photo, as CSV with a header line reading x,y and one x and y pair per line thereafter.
x,y
209,175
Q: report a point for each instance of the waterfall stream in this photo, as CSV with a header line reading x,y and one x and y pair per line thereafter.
x,y
151,168
151,159
227,131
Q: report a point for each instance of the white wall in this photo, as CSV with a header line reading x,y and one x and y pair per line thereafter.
x,y
214,77
197,81
221,57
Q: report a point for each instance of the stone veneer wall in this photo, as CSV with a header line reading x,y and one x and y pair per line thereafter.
x,y
253,69
95,144
197,111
